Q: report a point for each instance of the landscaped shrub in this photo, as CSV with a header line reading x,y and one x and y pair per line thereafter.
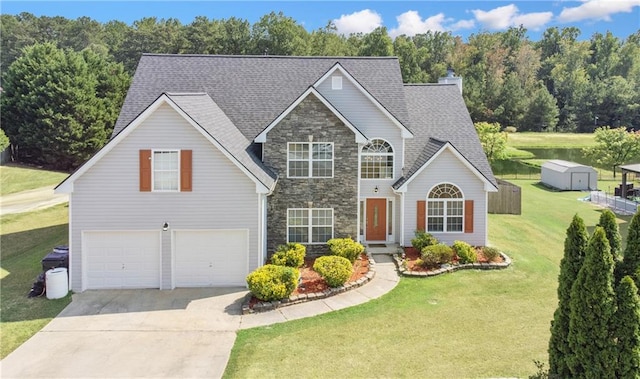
x,y
434,255
291,255
272,282
490,253
423,240
345,248
465,252
334,269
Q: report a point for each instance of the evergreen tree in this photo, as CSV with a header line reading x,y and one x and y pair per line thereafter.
x,y
627,329
611,230
592,311
575,245
630,264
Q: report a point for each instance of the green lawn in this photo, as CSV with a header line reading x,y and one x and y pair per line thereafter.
x,y
21,178
25,239
550,140
461,325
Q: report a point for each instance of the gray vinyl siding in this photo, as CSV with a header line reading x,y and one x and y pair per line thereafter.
x,y
107,196
447,168
374,124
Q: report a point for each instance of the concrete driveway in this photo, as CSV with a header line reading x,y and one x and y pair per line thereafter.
x,y
183,333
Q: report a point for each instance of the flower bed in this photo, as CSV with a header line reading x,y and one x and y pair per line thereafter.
x,y
313,287
407,264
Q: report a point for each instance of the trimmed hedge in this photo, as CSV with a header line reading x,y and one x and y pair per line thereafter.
x,y
465,252
334,270
290,255
345,248
435,255
273,282
423,240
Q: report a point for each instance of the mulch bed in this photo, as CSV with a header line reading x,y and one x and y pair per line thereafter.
x,y
313,282
411,255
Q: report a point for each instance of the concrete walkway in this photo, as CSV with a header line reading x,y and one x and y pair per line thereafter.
x,y
31,200
183,333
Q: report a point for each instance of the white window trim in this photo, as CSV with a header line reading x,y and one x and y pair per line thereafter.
x,y
153,170
311,160
393,157
310,225
445,216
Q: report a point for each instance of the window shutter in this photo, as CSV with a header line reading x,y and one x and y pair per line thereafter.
x,y
186,170
145,170
468,216
422,213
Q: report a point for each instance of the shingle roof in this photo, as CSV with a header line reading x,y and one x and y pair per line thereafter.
x,y
212,119
253,90
438,114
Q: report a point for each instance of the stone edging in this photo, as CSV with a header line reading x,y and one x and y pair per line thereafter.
x,y
451,268
264,306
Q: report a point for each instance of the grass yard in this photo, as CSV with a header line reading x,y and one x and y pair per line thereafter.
x,y
25,239
462,325
21,178
550,140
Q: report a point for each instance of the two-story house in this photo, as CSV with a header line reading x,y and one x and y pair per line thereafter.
x,y
217,160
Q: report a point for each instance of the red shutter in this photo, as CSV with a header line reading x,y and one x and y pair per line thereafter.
x,y
468,216
185,170
422,213
145,170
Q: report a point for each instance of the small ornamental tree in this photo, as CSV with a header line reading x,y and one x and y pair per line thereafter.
x,y
575,245
627,329
630,264
611,230
592,311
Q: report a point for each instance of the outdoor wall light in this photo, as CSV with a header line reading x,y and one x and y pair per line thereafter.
x,y
165,226
375,190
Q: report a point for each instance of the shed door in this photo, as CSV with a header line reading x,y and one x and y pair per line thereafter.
x,y
579,181
122,259
205,258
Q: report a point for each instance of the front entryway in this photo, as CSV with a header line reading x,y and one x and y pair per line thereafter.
x,y
376,220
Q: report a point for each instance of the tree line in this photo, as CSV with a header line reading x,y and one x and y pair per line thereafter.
x,y
559,83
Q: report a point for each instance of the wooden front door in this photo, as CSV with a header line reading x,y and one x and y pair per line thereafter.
x,y
376,220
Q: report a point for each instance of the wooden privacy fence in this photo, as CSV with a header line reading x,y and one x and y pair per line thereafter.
x,y
508,199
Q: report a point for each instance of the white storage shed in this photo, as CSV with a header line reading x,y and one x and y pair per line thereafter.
x,y
569,176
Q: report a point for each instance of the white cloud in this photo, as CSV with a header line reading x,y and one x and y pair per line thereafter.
x,y
364,21
509,15
597,10
462,24
410,23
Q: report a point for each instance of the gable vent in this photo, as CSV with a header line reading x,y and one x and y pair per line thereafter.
x,y
336,82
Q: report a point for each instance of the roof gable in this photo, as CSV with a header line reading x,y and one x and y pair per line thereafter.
x,y
264,180
359,137
406,133
402,184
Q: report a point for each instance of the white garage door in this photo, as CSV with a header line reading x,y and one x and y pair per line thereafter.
x,y
122,259
207,258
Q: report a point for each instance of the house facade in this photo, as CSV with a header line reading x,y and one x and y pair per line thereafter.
x,y
217,160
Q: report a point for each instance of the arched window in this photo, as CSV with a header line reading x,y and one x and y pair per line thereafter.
x,y
377,160
445,209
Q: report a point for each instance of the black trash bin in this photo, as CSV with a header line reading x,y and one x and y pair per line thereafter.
x,y
59,257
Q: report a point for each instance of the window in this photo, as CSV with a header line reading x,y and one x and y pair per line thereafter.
x,y
166,170
445,209
310,226
377,160
310,160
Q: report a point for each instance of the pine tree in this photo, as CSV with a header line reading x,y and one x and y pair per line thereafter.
x,y
575,245
610,226
630,264
627,329
592,310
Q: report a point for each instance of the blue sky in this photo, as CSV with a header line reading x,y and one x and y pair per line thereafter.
x,y
621,17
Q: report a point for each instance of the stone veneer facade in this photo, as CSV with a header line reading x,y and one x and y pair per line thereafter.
x,y
312,118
